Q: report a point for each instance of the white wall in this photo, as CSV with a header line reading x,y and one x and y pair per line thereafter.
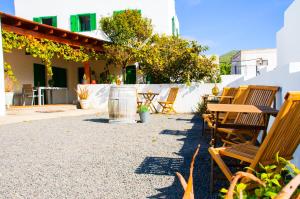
x,y
186,101
288,39
160,13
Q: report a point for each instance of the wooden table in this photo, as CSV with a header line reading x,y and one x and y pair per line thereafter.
x,y
216,109
149,97
39,89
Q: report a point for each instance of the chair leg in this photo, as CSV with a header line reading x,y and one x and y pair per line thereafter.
x,y
215,155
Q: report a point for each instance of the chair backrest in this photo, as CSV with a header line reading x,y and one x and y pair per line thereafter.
x,y
239,98
173,94
259,96
227,91
252,95
284,135
27,89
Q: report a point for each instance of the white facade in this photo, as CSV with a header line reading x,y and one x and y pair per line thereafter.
x,y
162,14
249,63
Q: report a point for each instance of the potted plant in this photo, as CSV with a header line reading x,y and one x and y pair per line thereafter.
x,y
144,113
83,95
9,92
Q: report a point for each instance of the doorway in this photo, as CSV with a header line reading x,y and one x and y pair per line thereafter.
x,y
130,74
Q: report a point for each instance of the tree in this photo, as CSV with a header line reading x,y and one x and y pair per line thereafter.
x,y
170,59
127,30
225,62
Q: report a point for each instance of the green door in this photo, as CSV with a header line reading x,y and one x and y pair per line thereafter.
x,y
39,74
131,74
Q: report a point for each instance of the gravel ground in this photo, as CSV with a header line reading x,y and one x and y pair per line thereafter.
x,y
85,157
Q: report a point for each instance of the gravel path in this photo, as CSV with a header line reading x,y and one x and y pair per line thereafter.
x,y
85,157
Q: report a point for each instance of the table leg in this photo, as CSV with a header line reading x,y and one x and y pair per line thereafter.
x,y
39,96
214,130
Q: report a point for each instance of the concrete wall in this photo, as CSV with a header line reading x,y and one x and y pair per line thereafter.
x,y
22,66
186,101
160,13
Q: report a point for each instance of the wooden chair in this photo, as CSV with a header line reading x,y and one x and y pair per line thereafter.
x,y
168,106
224,99
244,127
282,138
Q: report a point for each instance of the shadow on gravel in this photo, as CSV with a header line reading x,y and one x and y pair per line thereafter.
x,y
98,120
168,166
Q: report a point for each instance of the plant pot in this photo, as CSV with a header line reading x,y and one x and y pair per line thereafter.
x,y
84,104
9,97
144,116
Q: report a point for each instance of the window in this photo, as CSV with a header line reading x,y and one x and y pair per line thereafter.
x,y
51,21
83,22
59,77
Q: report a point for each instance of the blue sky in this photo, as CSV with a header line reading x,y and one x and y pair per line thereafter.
x,y
224,25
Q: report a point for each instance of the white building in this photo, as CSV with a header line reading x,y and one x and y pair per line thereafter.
x,y
249,63
84,16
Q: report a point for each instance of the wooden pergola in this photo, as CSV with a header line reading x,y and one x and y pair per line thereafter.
x,y
26,27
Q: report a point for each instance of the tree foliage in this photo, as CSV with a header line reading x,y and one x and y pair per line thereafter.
x,y
127,30
170,59
225,62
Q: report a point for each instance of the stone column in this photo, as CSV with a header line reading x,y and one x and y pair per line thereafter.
x,y
2,91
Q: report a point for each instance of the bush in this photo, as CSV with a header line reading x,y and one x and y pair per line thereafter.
x,y
266,182
143,109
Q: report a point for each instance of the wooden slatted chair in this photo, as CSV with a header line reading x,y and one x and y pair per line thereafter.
x,y
227,92
168,106
282,138
244,127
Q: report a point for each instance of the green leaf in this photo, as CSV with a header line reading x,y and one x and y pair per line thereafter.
x,y
241,187
223,190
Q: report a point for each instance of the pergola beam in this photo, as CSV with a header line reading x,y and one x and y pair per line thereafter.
x,y
52,37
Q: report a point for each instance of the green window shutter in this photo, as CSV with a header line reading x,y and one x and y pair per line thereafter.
x,y
74,23
54,21
37,19
173,25
93,21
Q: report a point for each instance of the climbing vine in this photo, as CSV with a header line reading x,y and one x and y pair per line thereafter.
x,y
46,50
